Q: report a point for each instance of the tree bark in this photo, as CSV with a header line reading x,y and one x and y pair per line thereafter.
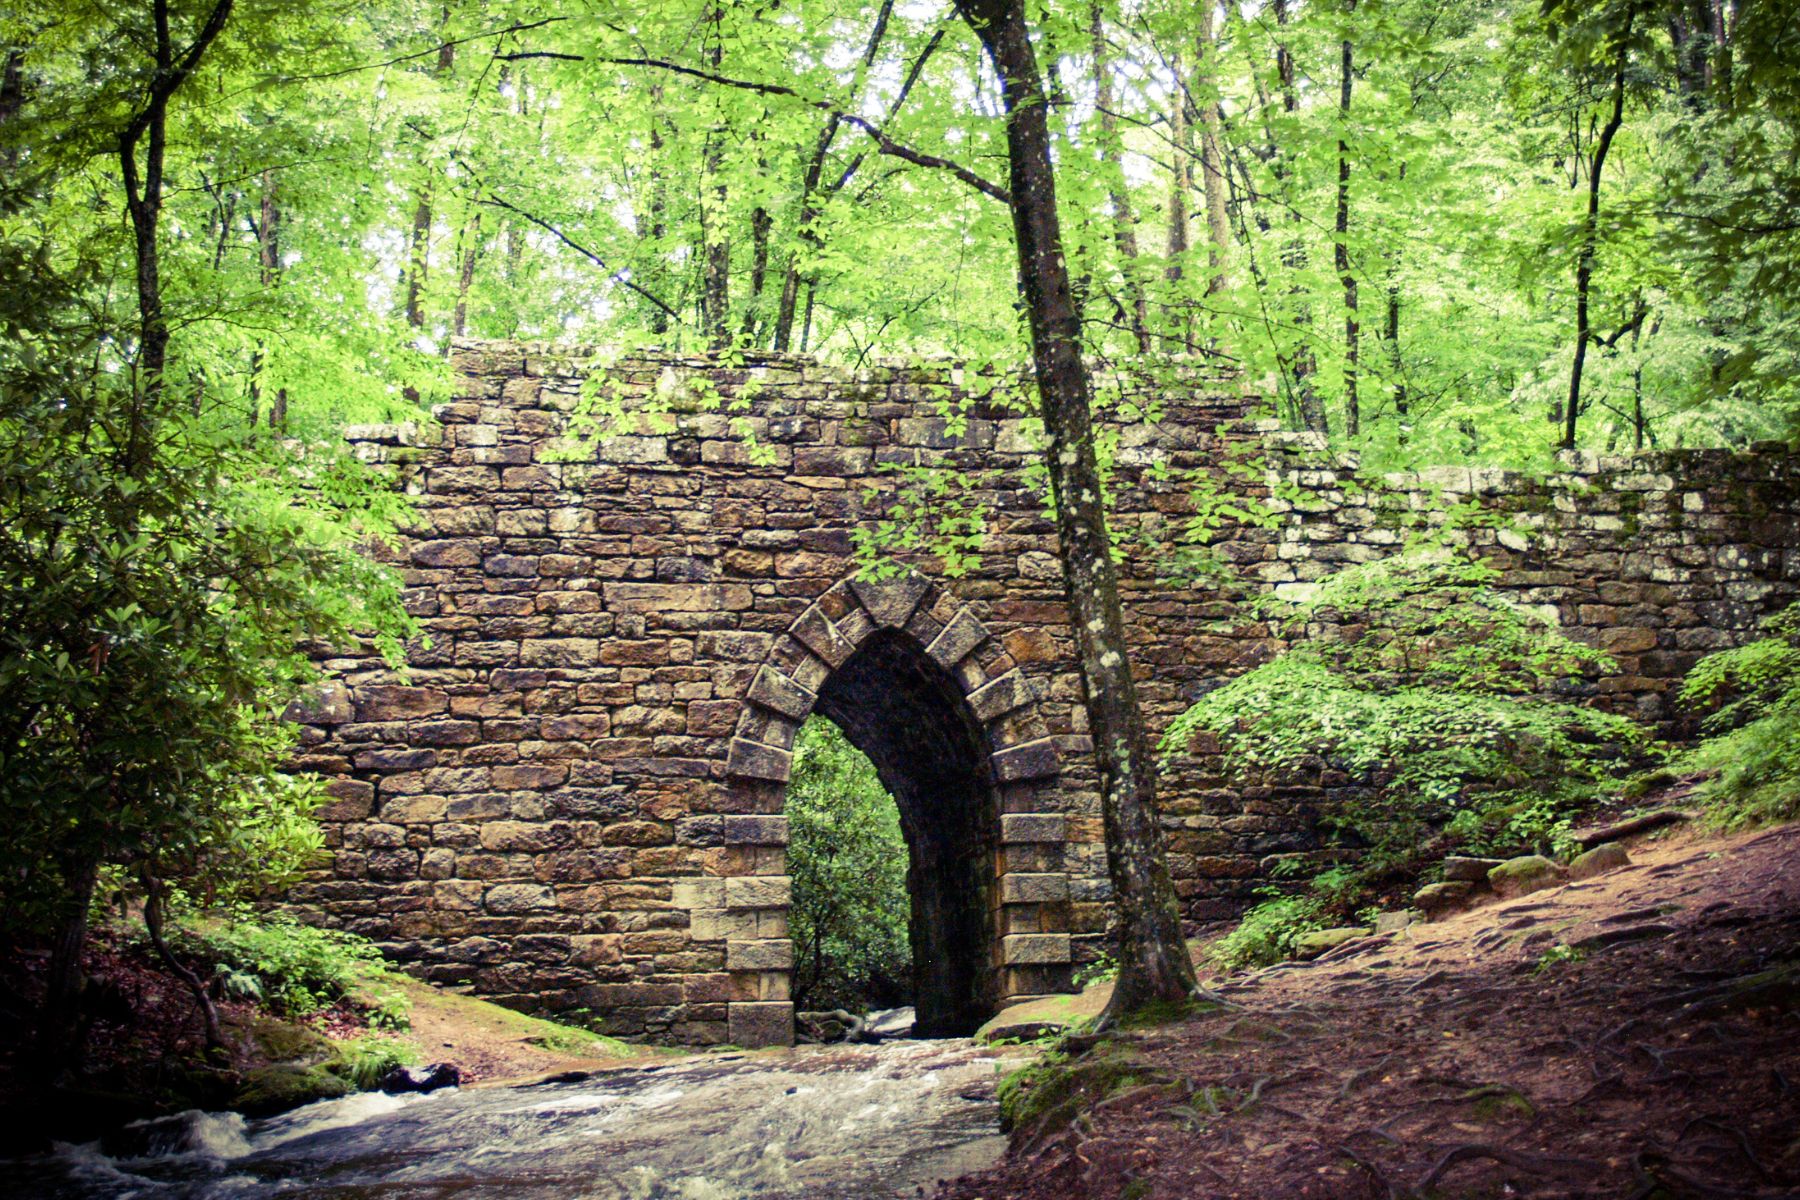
x,y
418,254
470,240
1590,236
1341,245
1180,192
1302,364
1112,160
1213,182
1153,959
143,200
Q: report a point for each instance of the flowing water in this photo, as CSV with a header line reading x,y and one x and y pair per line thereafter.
x,y
824,1123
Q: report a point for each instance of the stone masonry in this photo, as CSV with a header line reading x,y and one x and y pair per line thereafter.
x,y
571,799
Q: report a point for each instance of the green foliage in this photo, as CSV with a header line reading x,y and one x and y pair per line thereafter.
x,y
1104,969
1558,955
1751,695
1267,932
362,1061
291,968
848,860
1415,676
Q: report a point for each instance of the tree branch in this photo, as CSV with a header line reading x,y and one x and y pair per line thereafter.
x,y
617,275
887,144
517,27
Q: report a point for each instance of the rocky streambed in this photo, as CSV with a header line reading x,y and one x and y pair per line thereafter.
x,y
815,1123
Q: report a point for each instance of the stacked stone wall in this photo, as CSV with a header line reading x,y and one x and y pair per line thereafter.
x,y
571,798
1657,558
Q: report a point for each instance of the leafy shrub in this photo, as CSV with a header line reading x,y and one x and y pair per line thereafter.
x,y
1753,693
292,968
848,860
361,1062
1267,933
1418,678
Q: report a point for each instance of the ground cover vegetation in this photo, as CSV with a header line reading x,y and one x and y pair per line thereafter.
x,y
1428,229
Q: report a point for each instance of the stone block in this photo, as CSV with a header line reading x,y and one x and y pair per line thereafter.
x,y
383,702
998,697
753,760
1608,856
758,891
890,602
1021,887
816,632
677,597
509,898
760,1023
770,954
773,690
958,639
1034,948
1032,827
753,829
1032,760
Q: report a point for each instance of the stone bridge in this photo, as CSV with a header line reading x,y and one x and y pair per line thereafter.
x,y
572,799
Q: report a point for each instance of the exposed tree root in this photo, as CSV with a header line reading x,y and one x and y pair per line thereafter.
x,y
1572,1169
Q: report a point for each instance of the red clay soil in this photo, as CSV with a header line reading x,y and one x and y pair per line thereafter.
x,y
1658,1058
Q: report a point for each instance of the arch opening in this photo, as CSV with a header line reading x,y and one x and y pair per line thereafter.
x,y
901,709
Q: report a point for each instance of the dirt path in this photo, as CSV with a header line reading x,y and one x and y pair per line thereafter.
x,y
1637,1034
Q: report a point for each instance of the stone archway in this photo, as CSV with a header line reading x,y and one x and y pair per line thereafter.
x,y
881,661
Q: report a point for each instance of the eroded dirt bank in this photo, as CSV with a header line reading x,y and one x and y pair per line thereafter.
x,y
1636,1034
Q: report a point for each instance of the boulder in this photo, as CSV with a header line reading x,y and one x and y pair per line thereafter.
x,y
421,1079
1311,945
888,1023
1523,875
1394,922
1469,870
1435,898
1608,856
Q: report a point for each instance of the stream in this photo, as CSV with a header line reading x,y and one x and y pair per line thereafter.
x,y
820,1123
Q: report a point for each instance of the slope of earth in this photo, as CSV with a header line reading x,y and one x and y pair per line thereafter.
x,y
1631,1035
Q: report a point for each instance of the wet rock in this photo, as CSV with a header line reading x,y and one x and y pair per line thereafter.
x,y
421,1079
1608,856
1469,870
1436,898
1021,1031
271,1090
1524,875
1311,945
888,1023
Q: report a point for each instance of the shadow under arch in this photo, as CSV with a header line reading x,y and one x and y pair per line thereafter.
x,y
906,713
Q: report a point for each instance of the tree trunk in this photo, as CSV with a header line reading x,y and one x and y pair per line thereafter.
x,y
1212,155
715,240
155,908
1303,365
60,1022
470,240
1180,191
268,260
1590,236
1111,158
1341,246
1153,959
143,200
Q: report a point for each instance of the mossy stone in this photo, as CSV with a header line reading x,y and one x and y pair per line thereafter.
x,y
270,1090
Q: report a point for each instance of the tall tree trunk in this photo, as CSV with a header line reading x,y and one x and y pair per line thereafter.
x,y
469,242
268,262
1341,246
659,206
1180,195
59,1030
1153,959
1302,364
1213,182
1402,402
143,200
811,201
1112,160
418,253
1590,236
715,238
